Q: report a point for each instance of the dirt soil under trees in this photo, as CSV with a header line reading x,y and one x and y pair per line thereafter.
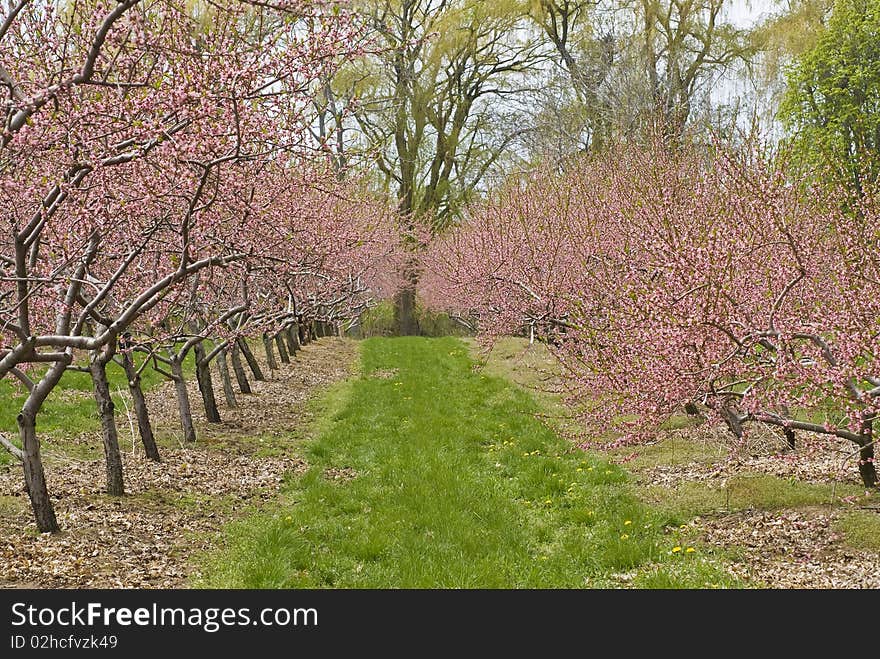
x,y
773,543
172,510
790,547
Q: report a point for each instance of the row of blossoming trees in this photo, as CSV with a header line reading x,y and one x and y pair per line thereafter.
x,y
678,280
159,196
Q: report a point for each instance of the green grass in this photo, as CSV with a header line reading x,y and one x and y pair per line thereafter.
x,y
672,451
535,370
456,484
744,491
860,529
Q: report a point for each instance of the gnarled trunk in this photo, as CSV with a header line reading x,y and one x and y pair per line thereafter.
x,y
292,335
252,362
243,385
206,386
34,476
228,391
32,461
270,353
867,468
145,428
109,434
186,420
405,321
282,349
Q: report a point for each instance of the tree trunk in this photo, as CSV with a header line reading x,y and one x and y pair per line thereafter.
x,y
252,362
228,391
789,437
405,321
206,385
186,420
282,350
788,433
270,353
732,419
302,333
145,428
243,384
867,468
34,476
292,335
109,434
32,462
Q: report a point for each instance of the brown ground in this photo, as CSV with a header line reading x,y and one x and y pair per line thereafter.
x,y
787,548
775,546
171,510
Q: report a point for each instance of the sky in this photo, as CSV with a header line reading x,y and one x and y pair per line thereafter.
x,y
745,12
730,87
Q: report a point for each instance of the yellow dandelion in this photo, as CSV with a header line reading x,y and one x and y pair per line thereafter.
x,y
676,549
689,550
624,536
627,522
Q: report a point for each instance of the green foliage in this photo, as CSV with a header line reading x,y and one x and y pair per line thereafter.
x,y
832,105
428,115
379,321
376,321
451,482
791,33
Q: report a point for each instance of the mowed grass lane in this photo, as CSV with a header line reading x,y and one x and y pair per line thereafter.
x,y
428,474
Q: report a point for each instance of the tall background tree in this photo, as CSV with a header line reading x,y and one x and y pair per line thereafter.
x,y
427,108
832,103
628,68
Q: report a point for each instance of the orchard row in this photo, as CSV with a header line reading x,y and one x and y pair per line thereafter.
x,y
670,280
162,191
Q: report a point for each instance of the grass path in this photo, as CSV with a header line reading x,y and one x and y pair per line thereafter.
x,y
425,473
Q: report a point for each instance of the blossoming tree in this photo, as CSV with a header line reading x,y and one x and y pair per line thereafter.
x,y
668,280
